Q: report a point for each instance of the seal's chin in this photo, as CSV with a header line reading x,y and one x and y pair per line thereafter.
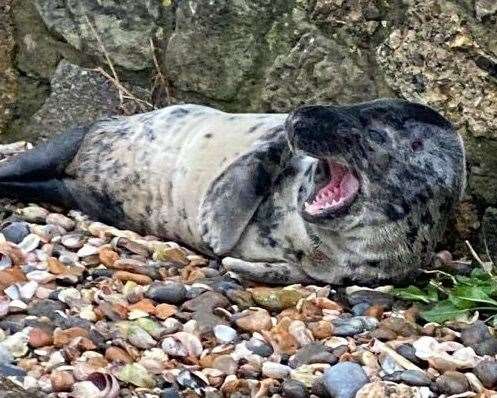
x,y
337,194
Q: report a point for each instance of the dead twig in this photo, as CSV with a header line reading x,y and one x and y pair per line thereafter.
x,y
487,266
106,54
160,75
123,90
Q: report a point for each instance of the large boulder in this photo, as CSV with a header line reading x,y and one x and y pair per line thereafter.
x,y
123,27
218,47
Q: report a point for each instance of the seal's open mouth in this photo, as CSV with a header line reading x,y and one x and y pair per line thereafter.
x,y
338,193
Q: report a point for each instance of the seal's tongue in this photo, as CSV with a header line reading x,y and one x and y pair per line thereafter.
x,y
339,192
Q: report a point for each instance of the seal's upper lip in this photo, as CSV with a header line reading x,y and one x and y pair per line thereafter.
x,y
339,192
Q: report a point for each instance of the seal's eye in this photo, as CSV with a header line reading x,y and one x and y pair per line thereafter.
x,y
417,145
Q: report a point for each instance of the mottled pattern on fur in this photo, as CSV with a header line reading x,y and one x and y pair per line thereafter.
x,y
229,185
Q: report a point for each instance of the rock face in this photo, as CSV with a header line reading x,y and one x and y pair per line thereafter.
x,y
260,55
8,78
123,27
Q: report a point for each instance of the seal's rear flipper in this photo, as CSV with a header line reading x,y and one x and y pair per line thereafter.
x,y
50,191
45,161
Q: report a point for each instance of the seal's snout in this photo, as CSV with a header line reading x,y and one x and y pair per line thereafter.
x,y
320,131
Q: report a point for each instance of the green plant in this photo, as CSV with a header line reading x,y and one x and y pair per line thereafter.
x,y
448,297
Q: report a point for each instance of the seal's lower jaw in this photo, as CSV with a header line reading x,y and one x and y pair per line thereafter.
x,y
338,193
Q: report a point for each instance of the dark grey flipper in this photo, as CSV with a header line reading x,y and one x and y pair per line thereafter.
x,y
235,195
38,174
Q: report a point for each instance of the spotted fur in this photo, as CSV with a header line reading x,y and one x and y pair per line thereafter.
x,y
233,185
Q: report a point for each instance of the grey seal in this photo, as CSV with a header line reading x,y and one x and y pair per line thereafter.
x,y
338,194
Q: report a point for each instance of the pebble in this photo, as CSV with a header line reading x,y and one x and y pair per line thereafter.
x,y
294,389
275,370
170,392
7,370
478,337
352,326
370,297
170,293
34,214
486,371
46,308
451,383
315,352
224,334
61,381
206,302
225,364
60,220
410,377
15,232
344,379
254,320
259,347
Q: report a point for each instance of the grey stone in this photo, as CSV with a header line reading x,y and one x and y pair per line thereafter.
x,y
314,352
452,383
343,380
15,232
217,46
206,302
478,337
486,371
46,308
171,293
10,370
353,326
370,297
259,347
124,27
409,377
294,389
78,96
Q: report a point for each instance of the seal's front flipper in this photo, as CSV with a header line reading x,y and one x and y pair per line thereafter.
x,y
50,191
235,195
273,273
45,161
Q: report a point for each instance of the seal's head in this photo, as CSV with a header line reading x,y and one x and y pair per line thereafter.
x,y
386,176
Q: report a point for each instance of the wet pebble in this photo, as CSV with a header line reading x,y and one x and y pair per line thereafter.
x,y
451,383
343,380
486,371
170,293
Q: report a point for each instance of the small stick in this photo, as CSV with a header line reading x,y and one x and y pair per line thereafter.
x,y
107,57
485,266
121,88
159,72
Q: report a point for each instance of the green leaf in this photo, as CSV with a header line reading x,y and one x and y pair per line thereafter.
x,y
442,312
466,297
414,293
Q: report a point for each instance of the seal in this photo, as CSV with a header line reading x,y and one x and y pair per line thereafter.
x,y
339,194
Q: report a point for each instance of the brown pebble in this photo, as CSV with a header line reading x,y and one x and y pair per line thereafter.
x,y
164,311
108,257
383,334
137,278
145,305
254,320
61,381
64,337
39,338
117,355
321,329
56,267
375,311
